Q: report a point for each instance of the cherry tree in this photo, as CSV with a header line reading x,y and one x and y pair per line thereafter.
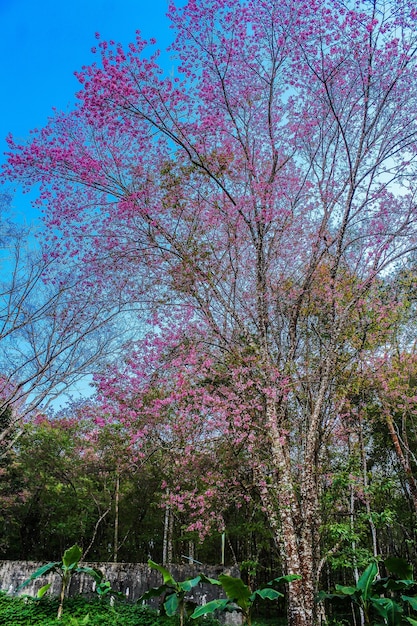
x,y
263,192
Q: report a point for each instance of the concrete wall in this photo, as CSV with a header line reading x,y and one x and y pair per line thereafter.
x,y
132,579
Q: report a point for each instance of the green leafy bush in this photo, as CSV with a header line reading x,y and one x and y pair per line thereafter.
x,y
175,593
382,600
240,597
25,611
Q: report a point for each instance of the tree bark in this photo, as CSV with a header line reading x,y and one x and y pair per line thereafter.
x,y
409,476
116,519
291,525
166,534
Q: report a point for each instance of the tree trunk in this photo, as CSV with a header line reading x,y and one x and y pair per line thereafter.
x,y
116,519
409,476
168,533
165,538
170,536
292,525
293,509
366,491
191,551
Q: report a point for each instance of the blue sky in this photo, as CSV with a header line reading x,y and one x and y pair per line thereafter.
x,y
42,43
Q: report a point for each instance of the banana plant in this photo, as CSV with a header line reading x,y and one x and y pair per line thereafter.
x,y
240,597
174,592
381,595
65,568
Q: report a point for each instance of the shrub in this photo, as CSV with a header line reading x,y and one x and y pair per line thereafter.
x,y
24,611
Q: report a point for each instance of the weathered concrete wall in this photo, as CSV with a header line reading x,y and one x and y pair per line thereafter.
x,y
132,579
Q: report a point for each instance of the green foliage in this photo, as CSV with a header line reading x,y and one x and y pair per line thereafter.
x,y
240,597
65,568
59,480
351,507
16,611
379,598
400,567
174,593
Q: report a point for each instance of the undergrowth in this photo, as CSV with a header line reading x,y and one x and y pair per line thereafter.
x,y
79,611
